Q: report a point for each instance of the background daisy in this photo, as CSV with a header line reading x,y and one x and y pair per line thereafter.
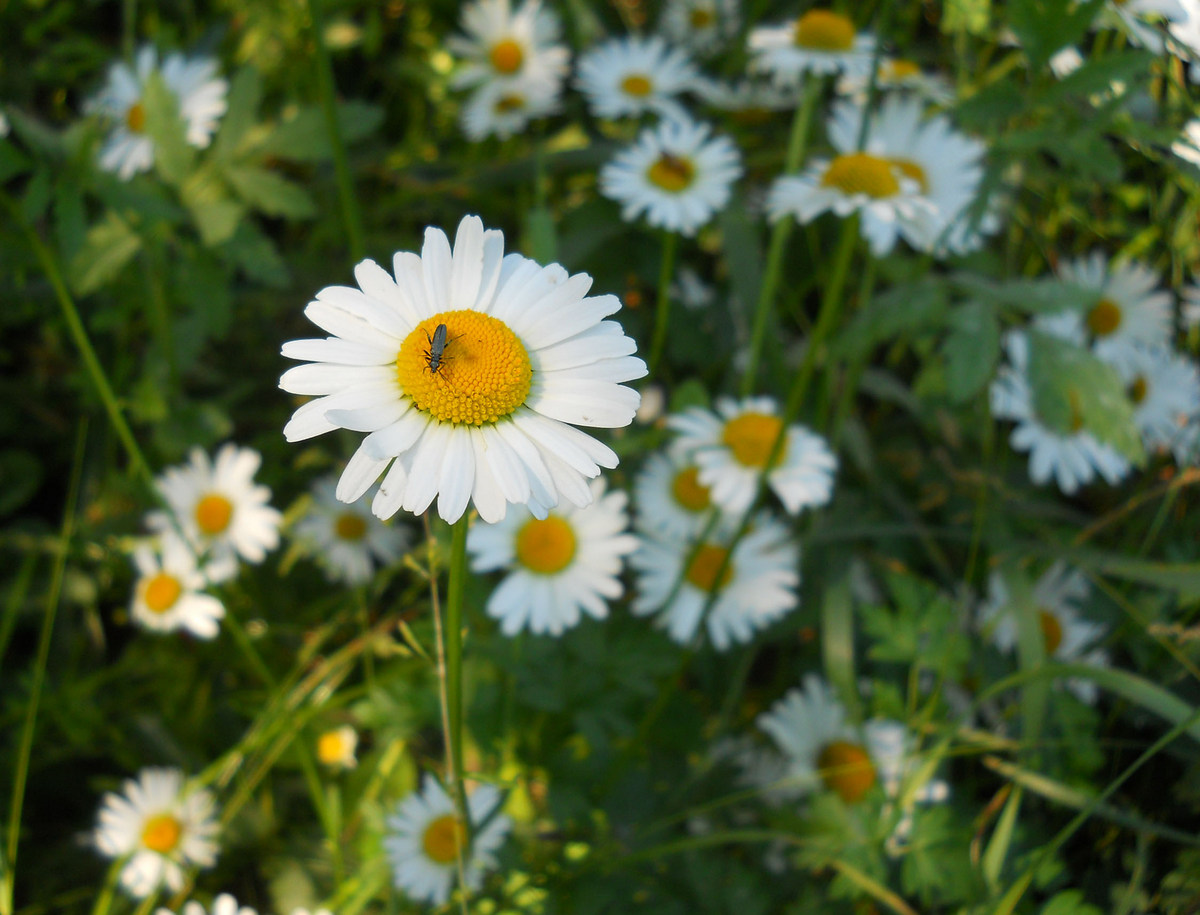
x,y
672,504
818,42
503,45
626,77
702,26
168,595
347,541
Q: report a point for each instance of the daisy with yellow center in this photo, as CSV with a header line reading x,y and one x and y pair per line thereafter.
x,y
731,447
818,42
1165,390
503,46
900,75
675,174
702,26
336,747
224,904
559,567
672,503
168,594
526,352
161,827
424,836
628,77
755,584
347,541
504,108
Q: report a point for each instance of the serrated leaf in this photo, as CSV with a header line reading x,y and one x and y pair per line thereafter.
x,y
173,157
1099,75
245,95
971,350
269,193
1032,297
108,247
1044,26
217,220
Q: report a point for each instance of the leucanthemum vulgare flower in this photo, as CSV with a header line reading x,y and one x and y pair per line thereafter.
x,y
1165,390
347,541
702,26
1067,635
424,834
337,746
219,509
731,447
897,74
674,173
502,109
758,585
200,93
222,905
465,371
559,567
168,594
672,505
627,77
818,42
503,46
1072,457
161,826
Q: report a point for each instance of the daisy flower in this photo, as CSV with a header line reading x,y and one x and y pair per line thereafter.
x,y
702,26
1138,20
900,75
161,827
347,540
168,595
502,109
672,504
424,835
758,586
1073,458
1165,390
219,509
561,566
222,905
675,174
526,351
336,748
1067,635
201,96
627,77
503,45
731,448
818,42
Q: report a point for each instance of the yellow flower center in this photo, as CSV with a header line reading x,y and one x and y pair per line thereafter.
x,y
846,769
750,437
350,526
507,56
442,839
484,373
910,169
672,173
508,103
162,833
897,70
862,173
689,492
161,592
637,84
1051,630
702,572
1139,389
1104,318
135,117
213,514
822,30
700,18
331,748
547,546
1076,423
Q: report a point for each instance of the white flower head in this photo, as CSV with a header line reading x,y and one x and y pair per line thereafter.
x,y
503,46
674,173
702,26
627,77
897,74
759,583
484,415
818,42
222,905
201,95
732,446
1139,20
161,826
1165,389
169,592
672,504
337,746
502,109
559,567
347,541
424,835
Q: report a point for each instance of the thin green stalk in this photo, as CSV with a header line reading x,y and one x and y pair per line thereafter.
x,y
25,745
341,166
662,314
16,597
104,898
159,314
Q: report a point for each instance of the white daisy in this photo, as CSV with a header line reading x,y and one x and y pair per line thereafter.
x,y
675,174
347,540
168,594
503,45
336,747
161,827
702,26
201,95
1165,389
759,585
901,75
627,77
222,905
424,835
731,448
524,352
818,42
1067,635
502,109
561,565
219,509
672,504
1072,458
1139,19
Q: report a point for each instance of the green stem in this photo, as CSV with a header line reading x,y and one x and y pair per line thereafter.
x,y
104,899
159,314
454,655
662,314
350,212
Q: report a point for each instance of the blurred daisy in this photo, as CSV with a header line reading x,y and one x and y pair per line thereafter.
x,y
819,42
702,26
560,566
347,540
901,75
222,905
1165,390
675,174
731,448
503,45
526,352
219,509
336,748
194,83
502,109
424,835
168,594
892,748
758,585
161,827
1139,20
627,77
1073,458
690,290
753,99
672,504
1068,637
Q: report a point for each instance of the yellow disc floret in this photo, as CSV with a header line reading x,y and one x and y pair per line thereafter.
x,y
507,56
442,839
822,30
546,546
689,492
700,18
1051,630
671,173
1104,318
910,169
895,71
135,117
512,101
750,437
162,833
637,84
161,592
213,514
846,769
1139,389
350,526
706,565
482,374
862,173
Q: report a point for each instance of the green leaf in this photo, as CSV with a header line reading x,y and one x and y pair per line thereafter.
x,y
12,161
971,350
305,137
1024,296
541,234
971,16
173,156
1127,67
1069,902
1182,577
245,95
1001,841
215,214
269,193
108,247
1044,26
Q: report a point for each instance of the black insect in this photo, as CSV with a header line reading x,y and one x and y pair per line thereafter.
x,y
434,356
